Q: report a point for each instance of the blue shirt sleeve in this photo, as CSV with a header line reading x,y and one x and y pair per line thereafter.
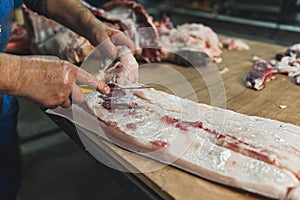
x,y
8,108
6,9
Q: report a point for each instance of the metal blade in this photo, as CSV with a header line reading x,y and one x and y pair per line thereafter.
x,y
192,58
132,88
85,89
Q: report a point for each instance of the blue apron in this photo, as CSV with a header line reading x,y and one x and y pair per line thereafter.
x,y
10,166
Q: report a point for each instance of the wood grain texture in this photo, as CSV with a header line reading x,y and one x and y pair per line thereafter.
x,y
172,183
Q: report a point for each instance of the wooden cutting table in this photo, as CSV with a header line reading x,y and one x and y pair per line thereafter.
x,y
172,183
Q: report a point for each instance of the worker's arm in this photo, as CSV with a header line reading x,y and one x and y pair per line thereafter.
x,y
46,80
74,15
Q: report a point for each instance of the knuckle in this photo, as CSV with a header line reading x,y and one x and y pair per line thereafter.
x,y
58,98
67,87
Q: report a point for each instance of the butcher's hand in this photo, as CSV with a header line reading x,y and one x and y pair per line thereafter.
x,y
47,81
81,20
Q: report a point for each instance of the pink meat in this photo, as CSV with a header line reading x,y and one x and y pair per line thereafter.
x,y
133,18
294,194
123,71
18,40
287,62
235,44
162,36
51,38
193,37
247,152
154,40
261,73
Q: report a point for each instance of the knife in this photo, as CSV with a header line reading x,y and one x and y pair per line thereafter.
x,y
188,58
85,89
131,88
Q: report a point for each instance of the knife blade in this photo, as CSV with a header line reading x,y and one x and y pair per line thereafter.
x,y
131,88
195,58
188,58
85,89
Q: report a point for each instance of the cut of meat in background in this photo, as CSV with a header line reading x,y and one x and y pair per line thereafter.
x,y
18,40
235,44
262,72
286,62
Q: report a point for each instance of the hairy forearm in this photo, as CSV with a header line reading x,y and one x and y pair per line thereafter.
x,y
76,16
10,66
19,71
73,14
46,80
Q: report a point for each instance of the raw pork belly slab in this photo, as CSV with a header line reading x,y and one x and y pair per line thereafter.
x,y
252,153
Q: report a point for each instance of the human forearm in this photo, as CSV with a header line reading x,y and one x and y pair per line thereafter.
x,y
77,17
74,15
46,80
9,73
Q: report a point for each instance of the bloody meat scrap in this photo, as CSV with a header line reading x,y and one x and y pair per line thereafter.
x,y
262,72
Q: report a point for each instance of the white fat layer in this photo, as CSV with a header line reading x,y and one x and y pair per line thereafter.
x,y
200,148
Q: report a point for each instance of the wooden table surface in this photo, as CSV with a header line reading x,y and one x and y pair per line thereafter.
x,y
172,183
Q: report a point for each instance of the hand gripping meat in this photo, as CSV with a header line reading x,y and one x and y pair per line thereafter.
x,y
47,81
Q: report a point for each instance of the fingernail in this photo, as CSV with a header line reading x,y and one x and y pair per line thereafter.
x,y
106,90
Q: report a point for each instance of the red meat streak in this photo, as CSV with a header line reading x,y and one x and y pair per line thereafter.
x,y
224,140
159,143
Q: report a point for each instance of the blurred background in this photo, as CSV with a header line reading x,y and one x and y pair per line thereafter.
x,y
54,167
274,21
